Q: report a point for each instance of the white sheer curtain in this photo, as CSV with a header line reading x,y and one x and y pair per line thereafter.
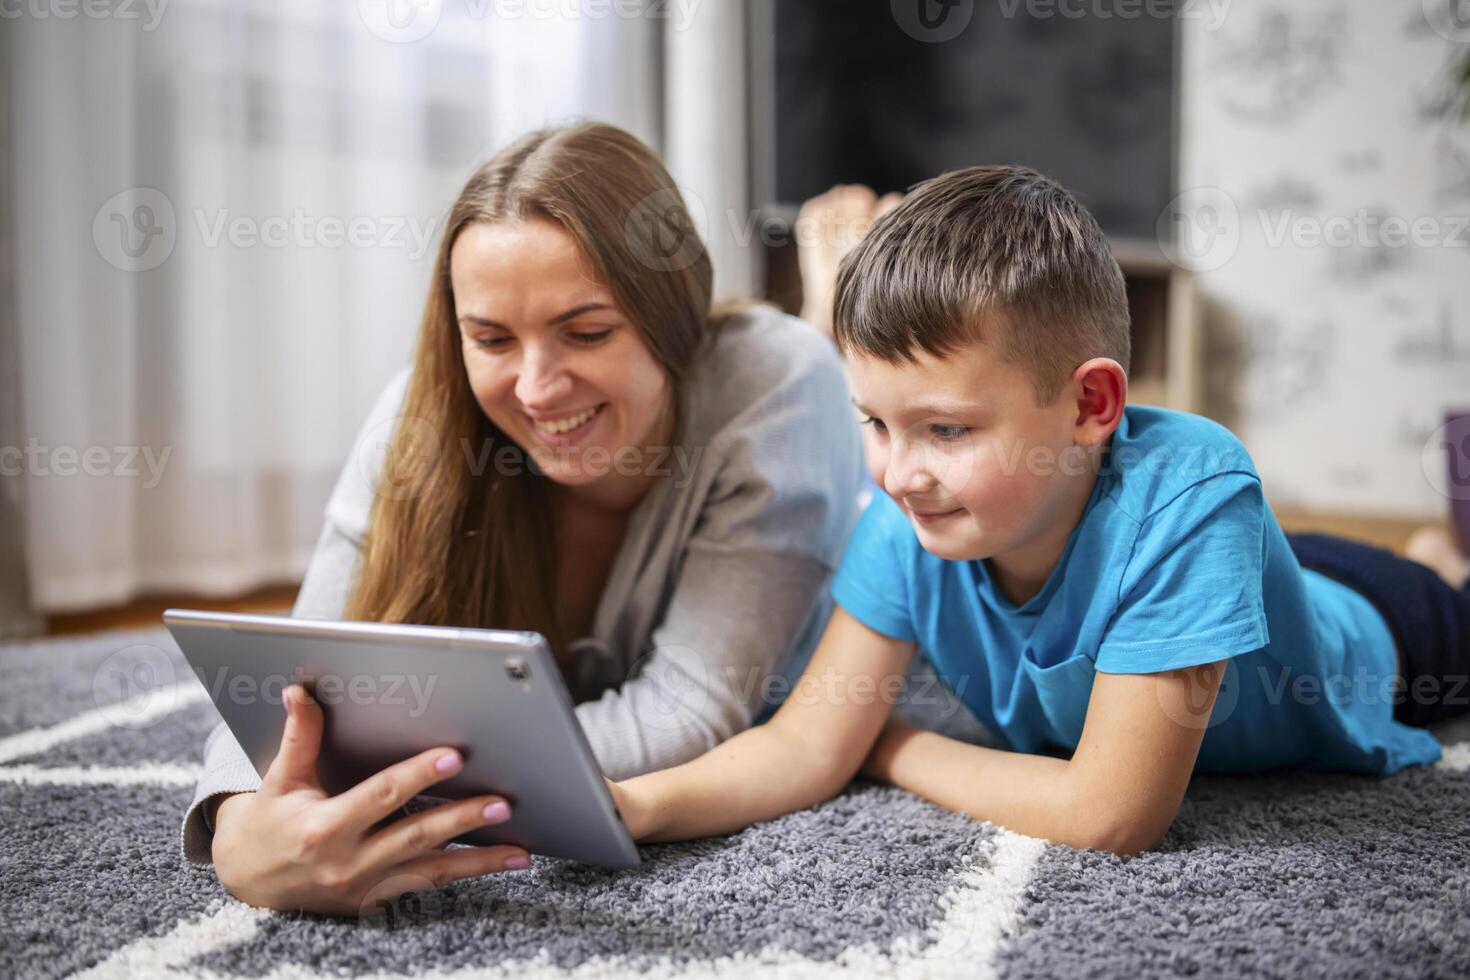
x,y
222,227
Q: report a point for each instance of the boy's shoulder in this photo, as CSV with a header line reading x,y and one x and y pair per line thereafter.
x,y
1158,454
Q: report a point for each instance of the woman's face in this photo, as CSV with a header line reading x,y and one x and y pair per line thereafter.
x,y
551,359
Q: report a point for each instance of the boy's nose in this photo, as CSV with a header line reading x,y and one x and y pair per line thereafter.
x,y
906,473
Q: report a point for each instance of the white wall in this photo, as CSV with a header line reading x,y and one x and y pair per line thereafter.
x,y
1340,359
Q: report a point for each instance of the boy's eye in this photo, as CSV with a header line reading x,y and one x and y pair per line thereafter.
x,y
877,424
948,432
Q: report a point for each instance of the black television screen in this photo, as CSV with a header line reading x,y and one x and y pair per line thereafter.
x,y
878,92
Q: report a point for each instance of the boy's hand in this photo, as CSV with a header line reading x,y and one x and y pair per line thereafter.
x,y
1118,792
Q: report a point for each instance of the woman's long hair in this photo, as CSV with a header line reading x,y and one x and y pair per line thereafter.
x,y
446,545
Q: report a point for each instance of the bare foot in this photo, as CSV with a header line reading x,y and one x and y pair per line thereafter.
x,y
1435,546
829,226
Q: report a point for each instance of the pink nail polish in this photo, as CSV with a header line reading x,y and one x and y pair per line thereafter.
x,y
448,763
497,812
518,862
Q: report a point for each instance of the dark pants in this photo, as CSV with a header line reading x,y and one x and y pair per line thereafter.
x,y
1430,621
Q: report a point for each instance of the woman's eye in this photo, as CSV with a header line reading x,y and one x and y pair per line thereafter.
x,y
492,343
591,336
948,432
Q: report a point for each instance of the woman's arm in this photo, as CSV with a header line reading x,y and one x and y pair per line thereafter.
x,y
227,770
776,489
805,754
1120,790
733,616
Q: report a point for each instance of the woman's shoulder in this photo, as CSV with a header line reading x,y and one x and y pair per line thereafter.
x,y
774,438
351,499
763,362
760,342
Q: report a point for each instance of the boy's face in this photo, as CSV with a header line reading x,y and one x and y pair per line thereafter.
x,y
961,445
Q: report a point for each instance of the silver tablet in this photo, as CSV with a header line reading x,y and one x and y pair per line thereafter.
x,y
389,692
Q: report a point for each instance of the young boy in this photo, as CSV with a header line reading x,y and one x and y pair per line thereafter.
x,y
1105,586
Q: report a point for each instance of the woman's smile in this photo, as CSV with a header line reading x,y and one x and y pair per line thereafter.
x,y
567,429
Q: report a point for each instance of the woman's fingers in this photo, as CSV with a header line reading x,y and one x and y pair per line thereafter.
x,y
406,839
295,761
381,794
442,867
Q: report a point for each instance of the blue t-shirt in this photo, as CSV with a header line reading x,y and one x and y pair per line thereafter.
x,y
1177,561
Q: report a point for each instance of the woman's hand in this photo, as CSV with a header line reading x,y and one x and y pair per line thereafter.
x,y
290,846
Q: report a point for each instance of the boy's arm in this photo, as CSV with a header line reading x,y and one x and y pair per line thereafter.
x,y
809,750
1120,790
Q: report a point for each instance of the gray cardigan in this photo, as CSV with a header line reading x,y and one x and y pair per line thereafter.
x,y
721,579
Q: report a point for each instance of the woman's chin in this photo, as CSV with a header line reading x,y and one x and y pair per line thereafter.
x,y
578,466
568,475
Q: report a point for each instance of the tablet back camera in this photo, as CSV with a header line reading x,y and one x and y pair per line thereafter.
x,y
517,670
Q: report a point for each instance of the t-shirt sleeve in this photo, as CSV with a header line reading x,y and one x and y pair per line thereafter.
x,y
870,582
1191,593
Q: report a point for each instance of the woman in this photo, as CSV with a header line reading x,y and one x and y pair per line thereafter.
x,y
690,483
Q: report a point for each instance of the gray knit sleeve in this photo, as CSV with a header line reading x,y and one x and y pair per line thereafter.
x,y
750,597
731,623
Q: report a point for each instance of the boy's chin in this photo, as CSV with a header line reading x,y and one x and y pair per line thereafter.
x,y
952,545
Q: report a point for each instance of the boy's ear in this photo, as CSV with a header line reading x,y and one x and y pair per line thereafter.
x,y
1101,390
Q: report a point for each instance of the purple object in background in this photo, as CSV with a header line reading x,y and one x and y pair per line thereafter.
x,y
1455,438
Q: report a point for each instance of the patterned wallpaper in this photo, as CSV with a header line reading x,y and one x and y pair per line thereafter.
x,y
1326,208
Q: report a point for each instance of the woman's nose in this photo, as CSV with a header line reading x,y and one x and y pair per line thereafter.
x,y
543,381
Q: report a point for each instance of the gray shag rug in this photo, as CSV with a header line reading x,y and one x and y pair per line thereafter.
x,y
1284,875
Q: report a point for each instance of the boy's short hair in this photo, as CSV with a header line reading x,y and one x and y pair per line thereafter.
x,y
1000,254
